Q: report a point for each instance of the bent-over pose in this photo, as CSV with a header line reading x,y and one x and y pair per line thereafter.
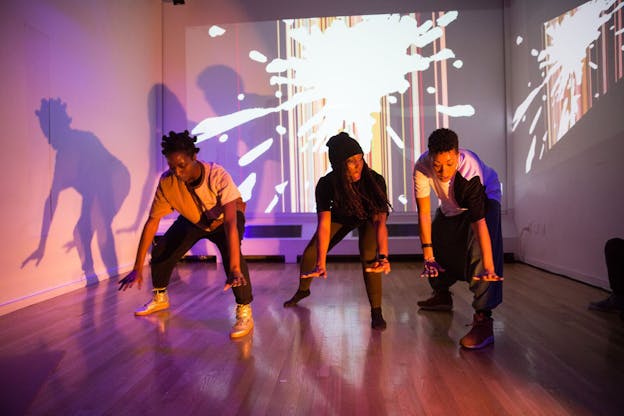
x,y
464,241
351,196
210,206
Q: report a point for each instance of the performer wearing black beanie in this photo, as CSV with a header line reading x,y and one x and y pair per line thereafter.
x,y
342,147
351,196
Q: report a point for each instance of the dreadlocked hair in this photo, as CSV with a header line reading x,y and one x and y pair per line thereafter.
x,y
363,201
179,142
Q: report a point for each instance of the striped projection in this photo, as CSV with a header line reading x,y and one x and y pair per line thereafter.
x,y
581,59
382,78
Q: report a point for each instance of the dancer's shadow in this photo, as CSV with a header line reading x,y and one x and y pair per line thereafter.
x,y
165,113
224,90
103,182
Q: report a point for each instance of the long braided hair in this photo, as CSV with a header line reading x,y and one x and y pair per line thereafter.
x,y
362,200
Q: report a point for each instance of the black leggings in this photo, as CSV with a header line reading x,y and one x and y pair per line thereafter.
x,y
180,237
368,252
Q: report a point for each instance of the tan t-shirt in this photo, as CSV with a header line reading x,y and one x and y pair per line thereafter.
x,y
216,189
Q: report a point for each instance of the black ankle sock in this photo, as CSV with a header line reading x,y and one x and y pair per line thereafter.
x,y
297,297
302,294
377,320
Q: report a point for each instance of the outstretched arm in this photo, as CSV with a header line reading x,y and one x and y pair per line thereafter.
x,y
424,225
147,236
480,230
236,277
48,214
323,228
431,267
382,264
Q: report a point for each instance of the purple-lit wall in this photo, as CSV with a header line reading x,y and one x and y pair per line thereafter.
x,y
568,198
81,160
204,74
114,75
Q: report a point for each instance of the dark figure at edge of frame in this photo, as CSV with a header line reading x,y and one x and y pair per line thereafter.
x,y
464,241
614,257
210,206
351,196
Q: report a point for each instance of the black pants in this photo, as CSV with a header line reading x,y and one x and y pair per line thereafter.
x,y
614,256
368,252
180,237
457,251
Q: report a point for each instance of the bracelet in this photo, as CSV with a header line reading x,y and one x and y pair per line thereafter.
x,y
424,245
382,257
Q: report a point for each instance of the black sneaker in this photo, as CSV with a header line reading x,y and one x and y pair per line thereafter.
x,y
377,320
296,298
440,301
613,303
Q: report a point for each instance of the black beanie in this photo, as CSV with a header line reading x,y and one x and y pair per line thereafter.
x,y
341,148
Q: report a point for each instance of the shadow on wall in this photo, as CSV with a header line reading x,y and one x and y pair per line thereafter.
x,y
224,90
165,113
103,182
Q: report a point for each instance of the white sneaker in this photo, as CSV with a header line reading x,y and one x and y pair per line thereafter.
x,y
244,321
159,301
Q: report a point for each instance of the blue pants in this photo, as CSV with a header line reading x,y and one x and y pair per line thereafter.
x,y
457,251
180,237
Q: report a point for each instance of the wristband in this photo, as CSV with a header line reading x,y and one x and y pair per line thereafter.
x,y
424,245
382,257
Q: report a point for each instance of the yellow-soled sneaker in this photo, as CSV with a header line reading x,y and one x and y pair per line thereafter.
x,y
159,301
244,321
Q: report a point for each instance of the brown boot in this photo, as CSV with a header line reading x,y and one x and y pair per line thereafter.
x,y
481,334
440,301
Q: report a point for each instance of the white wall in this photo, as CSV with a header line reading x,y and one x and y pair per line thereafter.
x,y
477,37
105,61
572,199
102,59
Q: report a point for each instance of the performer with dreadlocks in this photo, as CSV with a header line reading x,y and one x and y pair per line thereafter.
x,y
210,206
351,196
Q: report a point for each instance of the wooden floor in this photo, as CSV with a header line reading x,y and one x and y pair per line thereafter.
x,y
84,353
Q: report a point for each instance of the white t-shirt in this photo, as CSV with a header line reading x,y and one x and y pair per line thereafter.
x,y
469,169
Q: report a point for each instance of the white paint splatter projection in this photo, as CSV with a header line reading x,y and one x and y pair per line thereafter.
x,y
339,77
216,31
568,72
